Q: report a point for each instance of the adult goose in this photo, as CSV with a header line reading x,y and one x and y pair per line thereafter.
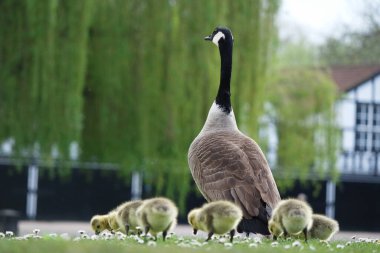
x,y
225,163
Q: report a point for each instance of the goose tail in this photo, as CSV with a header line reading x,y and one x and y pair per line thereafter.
x,y
253,225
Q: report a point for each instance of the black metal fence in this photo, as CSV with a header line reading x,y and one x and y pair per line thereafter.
x,y
86,192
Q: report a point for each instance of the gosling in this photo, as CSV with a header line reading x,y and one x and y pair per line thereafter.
x,y
323,227
100,223
290,217
126,217
157,215
218,217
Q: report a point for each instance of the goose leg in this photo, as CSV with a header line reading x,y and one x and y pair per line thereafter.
x,y
210,234
305,234
126,229
146,230
232,233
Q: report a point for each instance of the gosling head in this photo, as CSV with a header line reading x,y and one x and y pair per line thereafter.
x,y
275,229
192,219
99,223
221,37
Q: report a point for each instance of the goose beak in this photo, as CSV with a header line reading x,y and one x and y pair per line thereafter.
x,y
208,38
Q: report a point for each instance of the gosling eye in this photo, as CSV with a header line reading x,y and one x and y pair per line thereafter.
x,y
98,226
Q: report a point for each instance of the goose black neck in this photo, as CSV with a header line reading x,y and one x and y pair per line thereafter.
x,y
223,98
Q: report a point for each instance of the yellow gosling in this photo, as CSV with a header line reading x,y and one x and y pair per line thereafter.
x,y
157,215
293,216
218,217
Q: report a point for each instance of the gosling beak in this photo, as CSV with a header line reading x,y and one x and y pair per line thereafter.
x,y
97,232
195,231
208,38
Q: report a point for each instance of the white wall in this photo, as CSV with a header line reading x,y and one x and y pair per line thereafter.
x,y
345,113
364,92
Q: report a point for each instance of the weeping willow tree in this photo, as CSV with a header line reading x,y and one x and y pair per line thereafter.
x,y
43,47
131,81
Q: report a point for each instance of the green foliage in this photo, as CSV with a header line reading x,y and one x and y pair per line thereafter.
x,y
131,81
302,102
43,47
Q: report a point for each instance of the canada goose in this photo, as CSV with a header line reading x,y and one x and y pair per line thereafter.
x,y
291,216
218,217
126,216
157,215
100,223
323,227
225,163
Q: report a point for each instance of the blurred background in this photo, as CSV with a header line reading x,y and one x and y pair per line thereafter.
x,y
100,100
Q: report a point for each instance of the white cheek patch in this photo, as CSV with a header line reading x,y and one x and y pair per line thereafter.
x,y
217,37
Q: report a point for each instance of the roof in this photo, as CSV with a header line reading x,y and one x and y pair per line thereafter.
x,y
348,77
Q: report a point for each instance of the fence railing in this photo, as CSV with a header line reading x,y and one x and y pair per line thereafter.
x,y
359,163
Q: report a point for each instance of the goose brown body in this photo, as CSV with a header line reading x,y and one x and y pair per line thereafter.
x,y
225,163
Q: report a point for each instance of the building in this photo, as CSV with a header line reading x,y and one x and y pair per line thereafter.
x,y
358,116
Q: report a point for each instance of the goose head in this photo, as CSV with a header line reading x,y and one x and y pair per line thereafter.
x,y
220,36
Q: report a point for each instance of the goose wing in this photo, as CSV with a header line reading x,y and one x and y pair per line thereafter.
x,y
231,166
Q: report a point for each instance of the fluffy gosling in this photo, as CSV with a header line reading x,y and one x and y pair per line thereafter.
x,y
100,223
126,216
323,227
157,215
290,217
218,217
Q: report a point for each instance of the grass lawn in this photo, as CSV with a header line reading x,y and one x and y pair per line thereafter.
x,y
117,244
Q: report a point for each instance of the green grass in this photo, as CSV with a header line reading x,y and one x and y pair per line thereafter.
x,y
177,244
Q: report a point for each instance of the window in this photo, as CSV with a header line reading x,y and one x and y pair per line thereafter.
x,y
362,113
376,142
361,141
367,134
376,116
